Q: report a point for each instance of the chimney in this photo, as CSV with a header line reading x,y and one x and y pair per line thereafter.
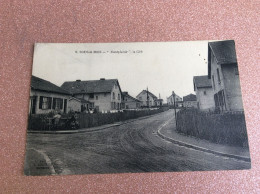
x,y
102,78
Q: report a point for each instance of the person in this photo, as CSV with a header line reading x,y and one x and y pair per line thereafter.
x,y
56,118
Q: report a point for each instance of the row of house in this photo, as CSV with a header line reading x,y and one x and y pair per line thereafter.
x,y
102,95
187,101
220,89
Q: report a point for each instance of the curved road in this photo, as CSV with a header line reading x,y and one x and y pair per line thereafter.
x,y
132,147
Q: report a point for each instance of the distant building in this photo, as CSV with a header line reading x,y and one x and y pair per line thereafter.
x,y
204,92
178,100
104,94
46,97
223,72
190,101
79,105
147,98
159,101
129,102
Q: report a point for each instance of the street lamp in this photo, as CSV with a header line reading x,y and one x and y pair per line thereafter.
x,y
174,106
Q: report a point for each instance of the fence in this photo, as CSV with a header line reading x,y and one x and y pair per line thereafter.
x,y
226,128
85,120
93,120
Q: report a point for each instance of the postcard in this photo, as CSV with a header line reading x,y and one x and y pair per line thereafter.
x,y
98,108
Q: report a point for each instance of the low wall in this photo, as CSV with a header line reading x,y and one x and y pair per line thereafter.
x,y
226,128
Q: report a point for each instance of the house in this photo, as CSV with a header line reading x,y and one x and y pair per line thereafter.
x,y
46,97
190,101
79,104
147,98
174,98
223,72
129,102
104,94
159,101
204,92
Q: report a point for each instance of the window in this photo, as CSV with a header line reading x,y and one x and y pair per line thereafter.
x,y
205,92
113,95
45,102
140,98
91,95
57,104
118,97
219,82
125,98
96,97
105,94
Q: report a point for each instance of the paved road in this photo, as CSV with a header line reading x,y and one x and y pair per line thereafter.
x,y
132,147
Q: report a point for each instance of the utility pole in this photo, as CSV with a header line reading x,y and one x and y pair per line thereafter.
x,y
174,106
147,97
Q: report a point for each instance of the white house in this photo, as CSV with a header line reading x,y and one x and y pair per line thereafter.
x,y
46,97
147,98
204,92
224,75
104,94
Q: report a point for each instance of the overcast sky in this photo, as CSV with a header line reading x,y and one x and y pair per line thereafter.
x,y
163,67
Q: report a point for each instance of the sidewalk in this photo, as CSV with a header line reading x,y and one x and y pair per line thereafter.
x,y
170,134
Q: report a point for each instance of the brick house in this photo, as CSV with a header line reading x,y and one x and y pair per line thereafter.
x,y
46,97
223,72
204,92
129,102
190,101
147,98
104,94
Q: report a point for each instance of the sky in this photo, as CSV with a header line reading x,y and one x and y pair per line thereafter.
x,y
163,67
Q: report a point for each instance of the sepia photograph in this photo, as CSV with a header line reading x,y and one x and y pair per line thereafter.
x,y
99,108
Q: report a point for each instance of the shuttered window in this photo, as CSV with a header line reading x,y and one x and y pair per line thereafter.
x,y
57,104
45,102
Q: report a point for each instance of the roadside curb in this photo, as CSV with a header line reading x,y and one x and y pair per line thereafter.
x,y
98,128
246,159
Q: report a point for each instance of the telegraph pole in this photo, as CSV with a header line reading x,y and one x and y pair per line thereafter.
x,y
174,106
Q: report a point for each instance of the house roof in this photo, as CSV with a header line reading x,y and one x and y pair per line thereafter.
x,y
148,93
172,95
92,86
190,97
224,52
44,85
202,82
80,100
126,94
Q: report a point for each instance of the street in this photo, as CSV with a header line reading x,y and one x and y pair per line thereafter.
x,y
131,147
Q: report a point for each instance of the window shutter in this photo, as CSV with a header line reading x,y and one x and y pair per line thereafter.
x,y
61,104
49,102
40,104
54,103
